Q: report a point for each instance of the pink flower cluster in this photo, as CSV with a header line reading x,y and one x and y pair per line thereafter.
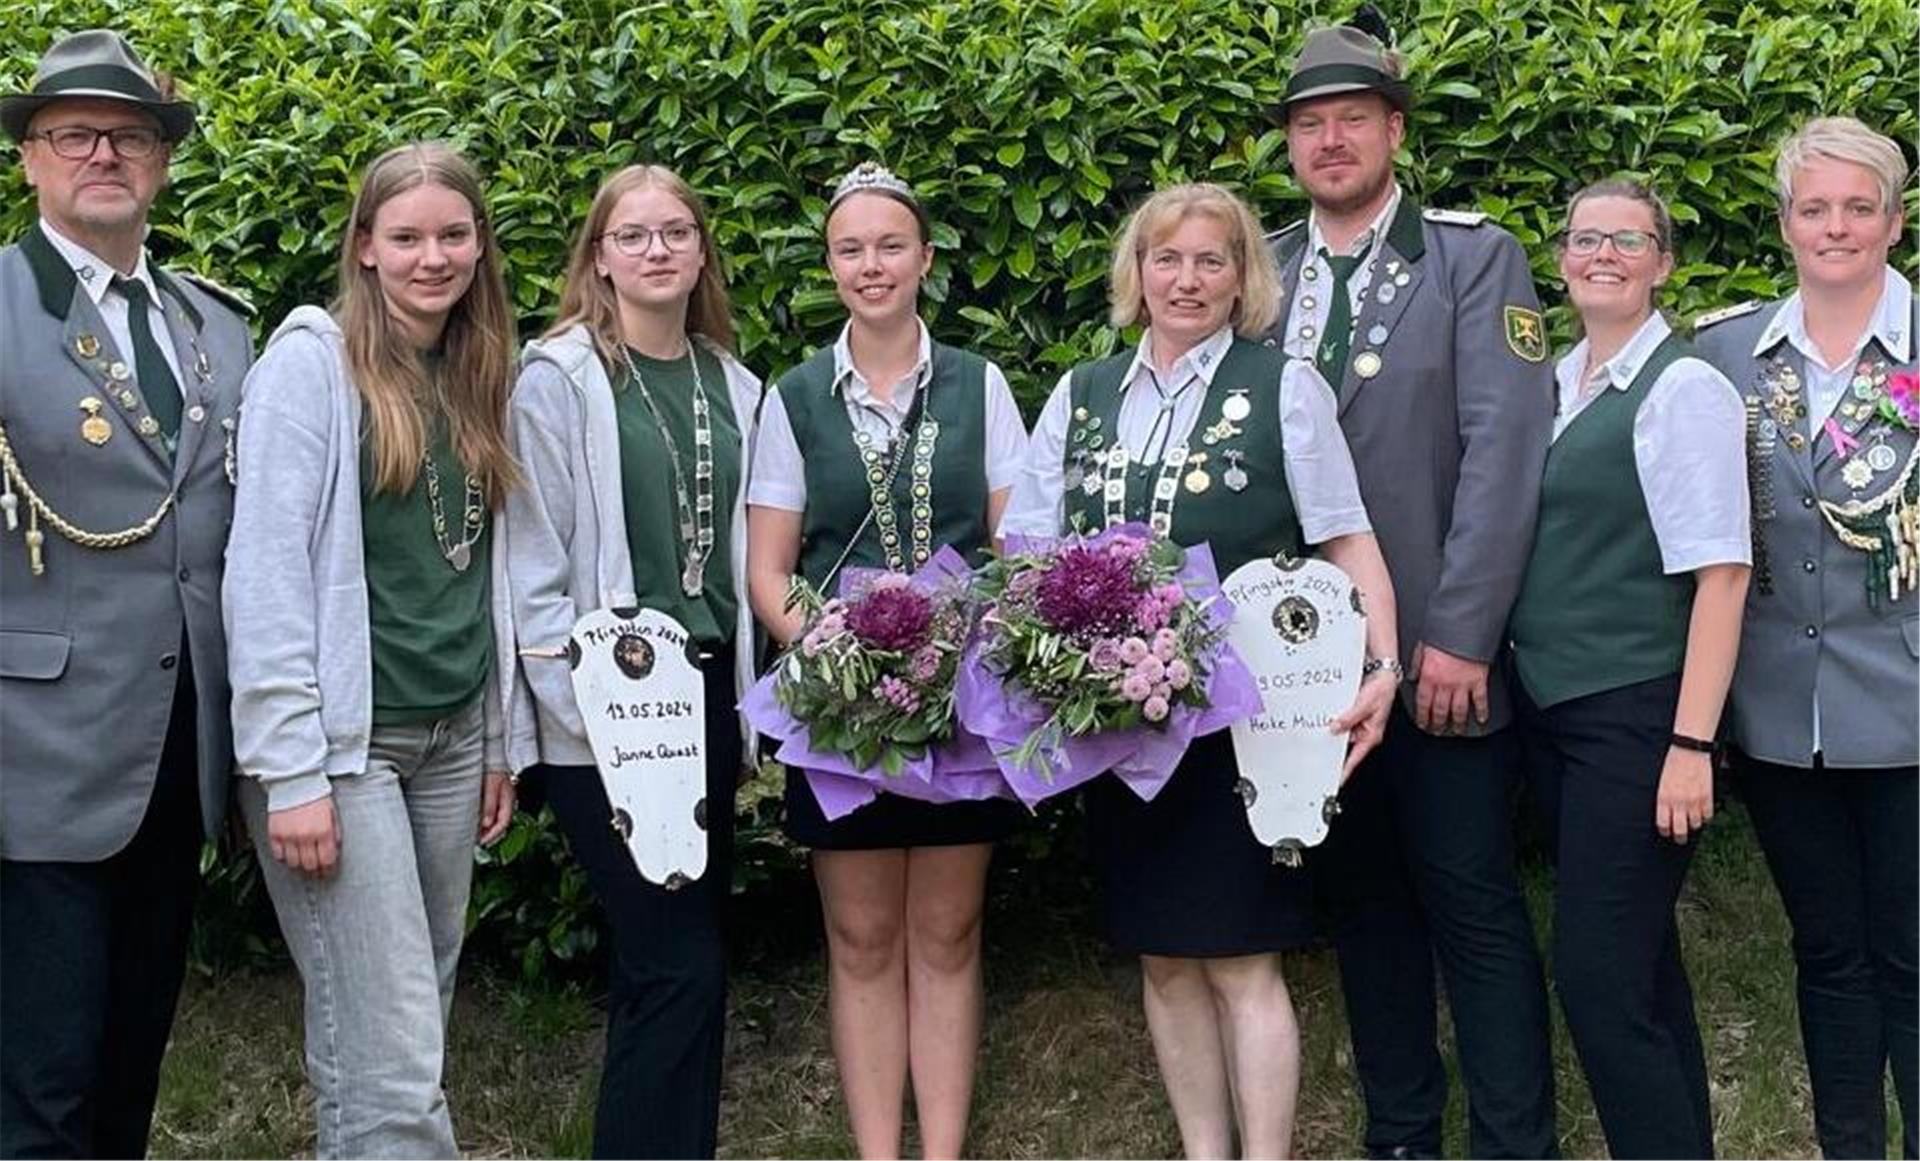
x,y
1903,391
896,693
1156,608
831,623
1148,671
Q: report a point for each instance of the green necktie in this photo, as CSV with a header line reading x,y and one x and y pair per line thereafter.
x,y
1338,334
157,383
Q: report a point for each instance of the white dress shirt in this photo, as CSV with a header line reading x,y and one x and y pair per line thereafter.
x,y
96,277
779,476
1319,469
1825,385
1307,317
1689,448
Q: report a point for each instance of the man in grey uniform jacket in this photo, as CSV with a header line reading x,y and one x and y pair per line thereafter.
x,y
118,386
1427,325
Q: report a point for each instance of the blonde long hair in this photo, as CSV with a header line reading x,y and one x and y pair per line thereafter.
x,y
588,299
1258,305
476,374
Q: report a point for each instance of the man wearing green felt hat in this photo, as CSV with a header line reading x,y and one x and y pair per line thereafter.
x,y
119,384
1425,324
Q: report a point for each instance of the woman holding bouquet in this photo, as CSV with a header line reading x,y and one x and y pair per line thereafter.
x,y
631,421
901,881
1210,438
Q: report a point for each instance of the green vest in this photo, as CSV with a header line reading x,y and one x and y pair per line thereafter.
x,y
1597,611
430,630
1215,514
654,545
838,496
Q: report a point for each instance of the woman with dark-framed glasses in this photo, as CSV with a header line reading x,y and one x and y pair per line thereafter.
x,y
1624,638
632,419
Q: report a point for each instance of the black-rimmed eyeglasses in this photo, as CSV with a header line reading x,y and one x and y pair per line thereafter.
x,y
77,142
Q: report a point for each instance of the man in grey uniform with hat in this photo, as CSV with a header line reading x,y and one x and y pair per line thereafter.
x,y
1427,325
118,387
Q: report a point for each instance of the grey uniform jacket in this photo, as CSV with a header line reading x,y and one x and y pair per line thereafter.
x,y
89,650
1449,434
1811,635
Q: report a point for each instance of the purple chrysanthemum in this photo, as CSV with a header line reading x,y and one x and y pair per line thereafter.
x,y
895,617
1088,591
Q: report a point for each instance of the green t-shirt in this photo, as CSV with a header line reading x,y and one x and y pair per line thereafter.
x,y
646,490
432,638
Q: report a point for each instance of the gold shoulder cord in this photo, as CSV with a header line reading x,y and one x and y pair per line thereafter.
x,y
37,508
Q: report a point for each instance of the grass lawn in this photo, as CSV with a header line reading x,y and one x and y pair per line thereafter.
x,y
1066,1068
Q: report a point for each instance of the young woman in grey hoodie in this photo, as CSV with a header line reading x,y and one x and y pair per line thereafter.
x,y
633,421
372,454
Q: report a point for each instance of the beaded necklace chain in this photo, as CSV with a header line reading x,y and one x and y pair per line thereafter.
x,y
694,510
921,433
458,553
1166,488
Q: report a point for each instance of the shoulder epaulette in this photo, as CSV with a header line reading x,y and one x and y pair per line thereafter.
x,y
225,295
1290,227
1727,312
1454,217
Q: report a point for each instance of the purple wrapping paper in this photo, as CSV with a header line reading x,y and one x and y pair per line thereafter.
x,y
959,770
1143,757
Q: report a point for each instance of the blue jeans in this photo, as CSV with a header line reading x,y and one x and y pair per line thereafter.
x,y
377,941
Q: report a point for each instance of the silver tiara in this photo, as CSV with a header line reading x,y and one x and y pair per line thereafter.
x,y
870,175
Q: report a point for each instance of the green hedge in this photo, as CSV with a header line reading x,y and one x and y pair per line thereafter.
x,y
1030,126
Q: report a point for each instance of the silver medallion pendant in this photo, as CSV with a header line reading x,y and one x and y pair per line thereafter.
x,y
1235,479
460,556
692,580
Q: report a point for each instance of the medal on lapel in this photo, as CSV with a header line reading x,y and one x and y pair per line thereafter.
x,y
94,429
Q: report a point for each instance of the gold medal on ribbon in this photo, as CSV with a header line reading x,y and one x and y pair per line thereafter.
x,y
1198,481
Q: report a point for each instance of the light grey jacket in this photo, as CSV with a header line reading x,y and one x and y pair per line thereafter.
x,y
565,543
1812,642
299,647
90,649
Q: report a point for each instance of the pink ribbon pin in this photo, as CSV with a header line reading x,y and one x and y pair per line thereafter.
x,y
1843,444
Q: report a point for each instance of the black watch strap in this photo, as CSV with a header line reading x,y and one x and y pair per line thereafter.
x,y
1698,745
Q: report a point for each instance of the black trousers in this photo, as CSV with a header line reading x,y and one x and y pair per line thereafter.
x,y
1595,765
1419,865
1842,848
91,960
667,986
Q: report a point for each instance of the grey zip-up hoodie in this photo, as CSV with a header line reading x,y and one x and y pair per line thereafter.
x,y
299,648
565,537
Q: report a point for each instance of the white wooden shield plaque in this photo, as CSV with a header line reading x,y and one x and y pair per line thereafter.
x,y
644,705
1300,628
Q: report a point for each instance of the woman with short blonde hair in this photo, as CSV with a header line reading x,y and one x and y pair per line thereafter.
x,y
1255,309
1824,733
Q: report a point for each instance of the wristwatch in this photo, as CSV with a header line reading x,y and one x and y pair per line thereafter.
x,y
1392,665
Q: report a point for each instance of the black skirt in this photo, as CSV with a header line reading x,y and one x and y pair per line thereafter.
x,y
890,821
1183,875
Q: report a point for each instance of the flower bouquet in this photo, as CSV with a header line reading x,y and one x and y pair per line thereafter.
x,y
1096,654
863,701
